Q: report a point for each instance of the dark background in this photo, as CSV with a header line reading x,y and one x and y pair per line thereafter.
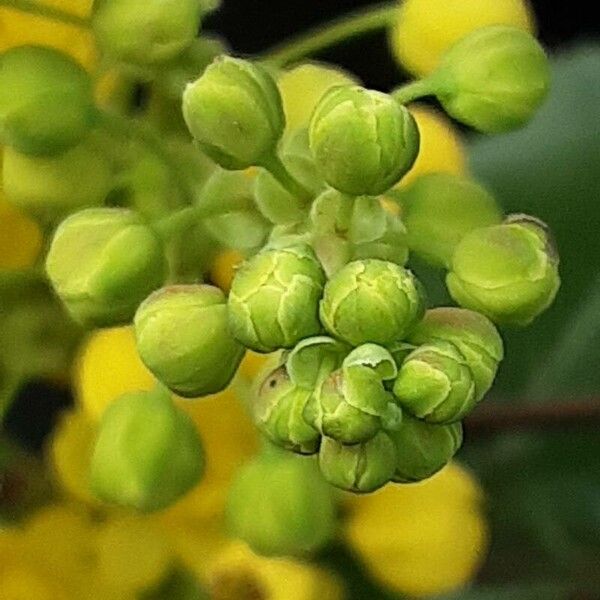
x,y
254,25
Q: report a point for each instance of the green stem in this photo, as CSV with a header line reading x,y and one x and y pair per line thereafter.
x,y
151,138
43,10
183,219
413,91
275,166
357,23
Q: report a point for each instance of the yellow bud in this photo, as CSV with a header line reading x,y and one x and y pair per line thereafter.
x,y
441,149
438,540
303,86
425,29
71,450
223,268
20,238
107,367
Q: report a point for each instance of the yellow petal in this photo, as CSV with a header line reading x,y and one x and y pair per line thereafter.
x,y
223,268
425,29
236,572
20,238
441,149
421,539
70,453
19,28
303,86
133,553
108,366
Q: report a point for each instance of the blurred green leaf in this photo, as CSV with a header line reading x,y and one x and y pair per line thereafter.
x,y
550,169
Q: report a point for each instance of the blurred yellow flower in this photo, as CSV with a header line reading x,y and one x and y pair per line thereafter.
x,y
70,450
236,572
421,539
303,86
441,149
19,28
20,237
108,366
132,551
425,29
223,268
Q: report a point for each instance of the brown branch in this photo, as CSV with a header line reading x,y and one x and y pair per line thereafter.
x,y
490,417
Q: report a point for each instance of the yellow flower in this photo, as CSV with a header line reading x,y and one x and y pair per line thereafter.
x,y
421,539
223,268
70,452
236,572
108,366
20,238
303,86
425,29
441,149
132,551
19,28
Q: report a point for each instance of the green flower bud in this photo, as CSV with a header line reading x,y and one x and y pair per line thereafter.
x,y
46,101
359,468
148,453
234,112
236,222
274,298
276,203
507,272
352,405
371,301
439,209
280,505
183,338
145,32
474,335
493,79
346,229
50,187
278,410
103,262
284,386
435,383
423,449
363,141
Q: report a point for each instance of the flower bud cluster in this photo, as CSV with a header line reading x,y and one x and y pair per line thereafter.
x,y
359,372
